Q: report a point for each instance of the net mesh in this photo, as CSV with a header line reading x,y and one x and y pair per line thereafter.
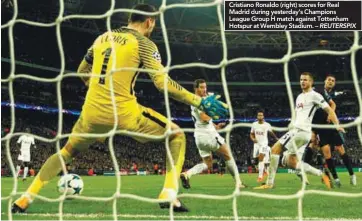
x,y
222,65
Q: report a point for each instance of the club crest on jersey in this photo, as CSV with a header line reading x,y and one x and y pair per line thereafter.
x,y
156,56
300,105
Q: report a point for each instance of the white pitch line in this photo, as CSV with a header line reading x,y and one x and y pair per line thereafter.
x,y
152,216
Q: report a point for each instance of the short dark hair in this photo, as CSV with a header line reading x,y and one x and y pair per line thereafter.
x,y
330,75
136,17
197,82
308,74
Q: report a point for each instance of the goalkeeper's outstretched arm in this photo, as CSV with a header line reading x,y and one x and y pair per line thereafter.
x,y
175,90
151,59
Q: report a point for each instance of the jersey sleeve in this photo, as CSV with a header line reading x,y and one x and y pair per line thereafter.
x,y
151,59
327,97
319,100
20,139
252,129
269,128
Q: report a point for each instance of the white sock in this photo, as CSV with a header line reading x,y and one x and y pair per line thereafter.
x,y
17,170
26,169
261,169
309,169
274,162
198,168
230,164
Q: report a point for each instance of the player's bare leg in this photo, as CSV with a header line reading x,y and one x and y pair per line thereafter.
x,y
197,169
294,163
274,162
225,153
18,168
326,150
307,156
261,166
347,163
26,170
255,162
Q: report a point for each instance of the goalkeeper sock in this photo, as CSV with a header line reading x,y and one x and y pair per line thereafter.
x,y
17,170
177,148
274,162
231,165
332,168
26,170
347,163
261,169
308,169
198,168
49,170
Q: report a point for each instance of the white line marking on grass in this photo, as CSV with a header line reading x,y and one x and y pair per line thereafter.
x,y
151,216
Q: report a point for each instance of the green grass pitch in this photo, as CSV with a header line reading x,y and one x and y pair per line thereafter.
x,y
314,206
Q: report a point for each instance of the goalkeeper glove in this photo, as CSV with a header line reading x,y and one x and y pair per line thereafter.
x,y
213,107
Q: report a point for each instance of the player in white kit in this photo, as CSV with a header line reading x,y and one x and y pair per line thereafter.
x,y
25,142
306,104
259,135
208,140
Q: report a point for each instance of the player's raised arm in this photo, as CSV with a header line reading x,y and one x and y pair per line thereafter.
x,y
85,67
151,59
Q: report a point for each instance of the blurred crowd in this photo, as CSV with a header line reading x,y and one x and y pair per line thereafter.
x,y
274,98
129,152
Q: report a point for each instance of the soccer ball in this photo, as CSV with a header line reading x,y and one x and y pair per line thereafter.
x,y
71,184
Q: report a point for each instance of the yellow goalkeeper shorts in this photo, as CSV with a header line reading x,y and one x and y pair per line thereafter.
x,y
136,119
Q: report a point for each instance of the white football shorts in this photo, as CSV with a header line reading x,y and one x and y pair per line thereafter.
x,y
208,143
25,157
258,149
298,137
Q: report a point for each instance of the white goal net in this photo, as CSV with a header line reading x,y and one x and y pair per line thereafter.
x,y
222,65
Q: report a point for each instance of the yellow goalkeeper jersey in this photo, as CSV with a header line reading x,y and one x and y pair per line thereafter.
x,y
130,49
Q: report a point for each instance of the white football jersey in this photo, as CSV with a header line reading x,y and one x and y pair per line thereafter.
x,y
26,142
200,126
305,107
261,132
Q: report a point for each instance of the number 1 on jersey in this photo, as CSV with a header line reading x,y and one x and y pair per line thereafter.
x,y
107,54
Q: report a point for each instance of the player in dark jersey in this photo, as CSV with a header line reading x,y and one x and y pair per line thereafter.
x,y
330,139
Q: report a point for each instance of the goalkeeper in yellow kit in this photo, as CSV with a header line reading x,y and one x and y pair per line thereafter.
x,y
131,48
